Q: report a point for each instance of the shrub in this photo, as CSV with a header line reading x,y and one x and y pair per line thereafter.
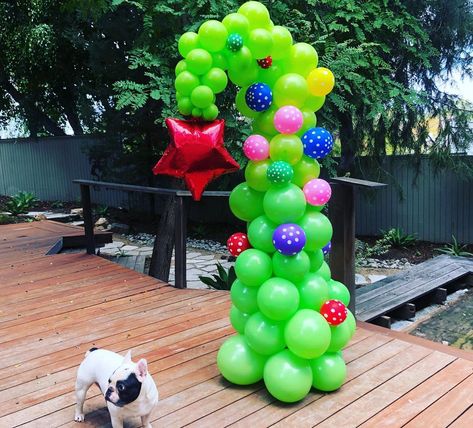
x,y
221,281
21,203
398,239
454,249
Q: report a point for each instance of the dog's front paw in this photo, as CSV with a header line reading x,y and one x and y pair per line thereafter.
x,y
79,417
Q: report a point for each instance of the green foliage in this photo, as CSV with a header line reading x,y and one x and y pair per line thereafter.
x,y
57,204
223,280
396,238
454,249
21,203
6,219
364,251
101,210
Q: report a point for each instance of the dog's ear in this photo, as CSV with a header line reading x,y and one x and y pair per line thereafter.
x,y
127,357
141,370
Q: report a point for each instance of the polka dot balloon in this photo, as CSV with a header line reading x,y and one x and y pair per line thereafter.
x,y
280,173
256,148
317,192
289,239
265,62
327,248
234,42
288,120
318,143
237,243
334,312
259,97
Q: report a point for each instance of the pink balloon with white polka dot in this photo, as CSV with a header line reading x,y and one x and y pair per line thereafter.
x,y
256,148
288,120
317,192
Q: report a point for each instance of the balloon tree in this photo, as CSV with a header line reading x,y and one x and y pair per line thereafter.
x,y
291,318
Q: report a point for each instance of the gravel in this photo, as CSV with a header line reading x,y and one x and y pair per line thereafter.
x,y
385,264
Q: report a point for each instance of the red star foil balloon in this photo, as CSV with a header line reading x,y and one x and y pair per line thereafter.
x,y
196,154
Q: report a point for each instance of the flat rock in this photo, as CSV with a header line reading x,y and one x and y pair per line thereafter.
x,y
374,278
129,248
360,279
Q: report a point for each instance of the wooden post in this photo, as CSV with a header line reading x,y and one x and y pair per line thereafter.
x,y
88,220
180,245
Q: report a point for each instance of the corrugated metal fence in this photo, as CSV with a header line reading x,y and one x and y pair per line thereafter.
x,y
432,206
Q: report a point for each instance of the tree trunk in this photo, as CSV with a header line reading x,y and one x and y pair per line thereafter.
x,y
348,143
68,101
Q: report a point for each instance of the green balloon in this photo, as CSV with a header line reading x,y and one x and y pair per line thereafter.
x,y
287,377
303,59
202,96
238,319
313,291
282,42
280,173
314,103
292,268
341,335
238,363
187,42
256,175
184,105
260,43
186,82
290,89
219,60
244,297
329,372
264,123
241,60
213,35
243,77
318,230
278,299
241,105
316,259
215,79
307,334
284,204
246,203
196,112
270,75
180,67
287,148
324,271
257,14
237,23
310,121
253,267
338,291
260,234
210,113
198,61
305,170
264,335
351,321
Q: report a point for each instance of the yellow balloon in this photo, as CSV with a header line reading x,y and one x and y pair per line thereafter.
x,y
320,81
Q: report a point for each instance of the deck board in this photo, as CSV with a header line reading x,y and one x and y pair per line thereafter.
x,y
56,307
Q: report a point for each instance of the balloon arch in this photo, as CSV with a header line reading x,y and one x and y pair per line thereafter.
x,y
291,318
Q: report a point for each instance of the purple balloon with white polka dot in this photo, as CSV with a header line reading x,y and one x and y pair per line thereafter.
x,y
317,142
259,97
327,248
289,239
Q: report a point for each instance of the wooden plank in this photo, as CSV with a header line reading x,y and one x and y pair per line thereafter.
x,y
464,421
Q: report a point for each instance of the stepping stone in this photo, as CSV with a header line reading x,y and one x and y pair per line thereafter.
x,y
374,278
129,247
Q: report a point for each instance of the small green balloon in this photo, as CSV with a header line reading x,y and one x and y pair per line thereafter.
x,y
256,175
284,204
313,291
329,372
282,42
210,113
238,319
265,122
260,234
196,112
302,59
237,23
341,335
244,297
264,335
187,42
338,291
257,14
280,173
287,377
198,61
292,268
180,67
246,203
202,96
184,105
307,334
241,105
351,321
219,60
213,35
309,121
260,43
240,60
216,79
270,75
316,260
290,89
318,230
324,272
305,170
253,267
314,103
243,77
278,299
287,148
186,82
238,363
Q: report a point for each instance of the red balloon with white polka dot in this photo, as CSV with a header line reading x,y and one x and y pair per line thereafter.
x,y
334,312
237,243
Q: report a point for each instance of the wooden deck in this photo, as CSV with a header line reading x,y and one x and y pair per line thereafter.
x,y
54,308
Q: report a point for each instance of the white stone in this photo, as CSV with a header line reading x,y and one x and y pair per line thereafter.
x,y
375,278
129,248
360,279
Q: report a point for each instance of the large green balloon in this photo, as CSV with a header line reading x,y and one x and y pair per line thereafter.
x,y
264,335
264,123
244,297
210,112
260,43
219,60
240,60
246,203
270,75
287,148
213,35
180,67
329,372
318,230
243,77
202,96
303,59
324,271
186,82
260,234
238,363
313,291
314,103
316,260
253,267
238,319
278,299
184,105
257,14
198,61
305,170
287,377
284,204
290,89
310,121
341,335
237,23
292,268
338,291
351,321
242,106
187,42
215,79
307,334
282,42
256,175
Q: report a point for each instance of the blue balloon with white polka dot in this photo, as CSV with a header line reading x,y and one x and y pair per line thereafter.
x,y
289,239
327,248
318,143
259,97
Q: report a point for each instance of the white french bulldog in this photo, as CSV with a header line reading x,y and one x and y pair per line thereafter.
x,y
128,388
